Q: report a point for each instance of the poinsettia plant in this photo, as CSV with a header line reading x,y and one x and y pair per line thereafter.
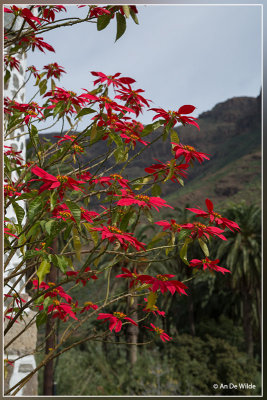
x,y
82,218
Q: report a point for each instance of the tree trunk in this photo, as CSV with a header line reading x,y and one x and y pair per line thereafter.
x,y
132,332
190,305
247,320
48,385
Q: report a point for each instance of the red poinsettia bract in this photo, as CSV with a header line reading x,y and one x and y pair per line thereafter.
x,y
88,305
189,153
24,13
83,279
215,217
129,199
176,116
154,310
112,79
115,320
112,233
206,263
54,70
161,282
53,182
58,291
172,225
37,42
162,170
197,230
163,335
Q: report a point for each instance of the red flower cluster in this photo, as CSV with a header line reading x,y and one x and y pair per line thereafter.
x,y
51,182
109,180
112,234
67,98
128,199
48,12
189,153
215,217
87,306
176,116
11,62
112,79
162,170
24,13
13,155
162,282
206,263
154,310
172,226
63,212
133,99
57,291
115,320
37,42
83,279
34,71
198,230
75,146
30,110
164,337
60,310
54,70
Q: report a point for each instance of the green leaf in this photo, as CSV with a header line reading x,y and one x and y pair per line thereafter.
x,y
151,300
93,133
151,127
76,242
21,240
7,76
93,234
43,86
156,239
53,85
121,155
75,210
117,139
103,21
41,319
183,252
125,220
50,225
170,174
204,247
43,270
121,25
61,105
62,263
34,135
174,136
35,207
53,200
19,212
134,16
85,111
156,190
148,214
126,10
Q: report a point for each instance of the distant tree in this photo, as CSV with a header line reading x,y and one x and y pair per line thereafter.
x,y
242,255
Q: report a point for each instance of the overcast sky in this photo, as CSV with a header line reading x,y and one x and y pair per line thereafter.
x,y
178,54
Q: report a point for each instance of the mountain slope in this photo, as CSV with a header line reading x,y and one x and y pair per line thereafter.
x,y
231,134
